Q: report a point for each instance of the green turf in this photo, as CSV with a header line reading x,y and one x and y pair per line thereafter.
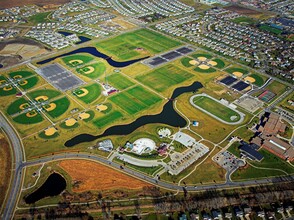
x,y
2,78
220,63
107,119
234,149
236,69
134,100
215,108
94,92
62,105
196,55
164,77
31,82
99,70
23,74
119,81
243,19
210,70
7,93
268,28
258,79
185,61
124,46
92,115
13,108
84,58
50,93
23,119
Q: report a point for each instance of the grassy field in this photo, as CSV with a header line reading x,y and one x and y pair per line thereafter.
x,y
196,55
14,107
135,100
94,91
99,69
259,79
268,28
39,18
276,87
234,149
7,91
107,119
243,20
220,63
5,171
28,83
76,60
215,108
23,119
62,105
20,74
126,46
236,69
185,61
86,173
50,93
119,81
286,105
164,77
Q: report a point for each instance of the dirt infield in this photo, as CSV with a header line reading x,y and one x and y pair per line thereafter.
x,y
85,92
91,70
193,62
212,63
84,115
238,74
50,131
203,67
94,176
101,108
43,98
249,79
70,122
202,59
51,107
76,61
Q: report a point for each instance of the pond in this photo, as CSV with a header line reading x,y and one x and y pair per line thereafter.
x,y
168,116
53,186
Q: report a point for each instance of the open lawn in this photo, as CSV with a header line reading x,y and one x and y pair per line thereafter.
x,y
107,119
268,28
94,176
287,105
119,81
76,60
50,93
276,87
28,83
92,71
17,106
20,74
135,100
138,43
164,77
39,18
92,92
215,108
5,171
234,149
24,119
259,80
62,105
243,20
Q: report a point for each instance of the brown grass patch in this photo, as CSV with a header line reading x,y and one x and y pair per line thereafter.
x,y
5,164
94,176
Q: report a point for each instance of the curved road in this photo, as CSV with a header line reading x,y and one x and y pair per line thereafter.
x,y
20,164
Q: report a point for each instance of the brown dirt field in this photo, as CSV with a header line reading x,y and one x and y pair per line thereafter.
x,y
5,164
13,3
241,10
94,176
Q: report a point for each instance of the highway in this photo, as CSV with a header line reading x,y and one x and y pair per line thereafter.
x,y
16,176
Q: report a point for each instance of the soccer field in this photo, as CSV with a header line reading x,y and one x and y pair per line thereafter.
x,y
119,82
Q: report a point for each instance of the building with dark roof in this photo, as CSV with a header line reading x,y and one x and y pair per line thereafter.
x,y
250,151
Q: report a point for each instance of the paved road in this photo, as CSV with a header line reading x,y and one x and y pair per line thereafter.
x,y
18,164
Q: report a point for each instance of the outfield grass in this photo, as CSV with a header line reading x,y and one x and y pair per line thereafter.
x,y
92,115
99,70
210,70
119,81
84,58
220,63
107,119
7,93
135,100
44,136
13,108
237,69
164,77
23,74
196,55
31,82
185,61
62,105
259,80
23,119
94,92
215,108
124,46
50,93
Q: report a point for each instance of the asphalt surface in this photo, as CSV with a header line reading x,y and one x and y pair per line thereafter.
x,y
18,165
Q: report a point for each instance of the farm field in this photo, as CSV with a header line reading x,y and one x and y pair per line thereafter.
x,y
119,81
94,176
215,108
135,100
163,78
126,46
